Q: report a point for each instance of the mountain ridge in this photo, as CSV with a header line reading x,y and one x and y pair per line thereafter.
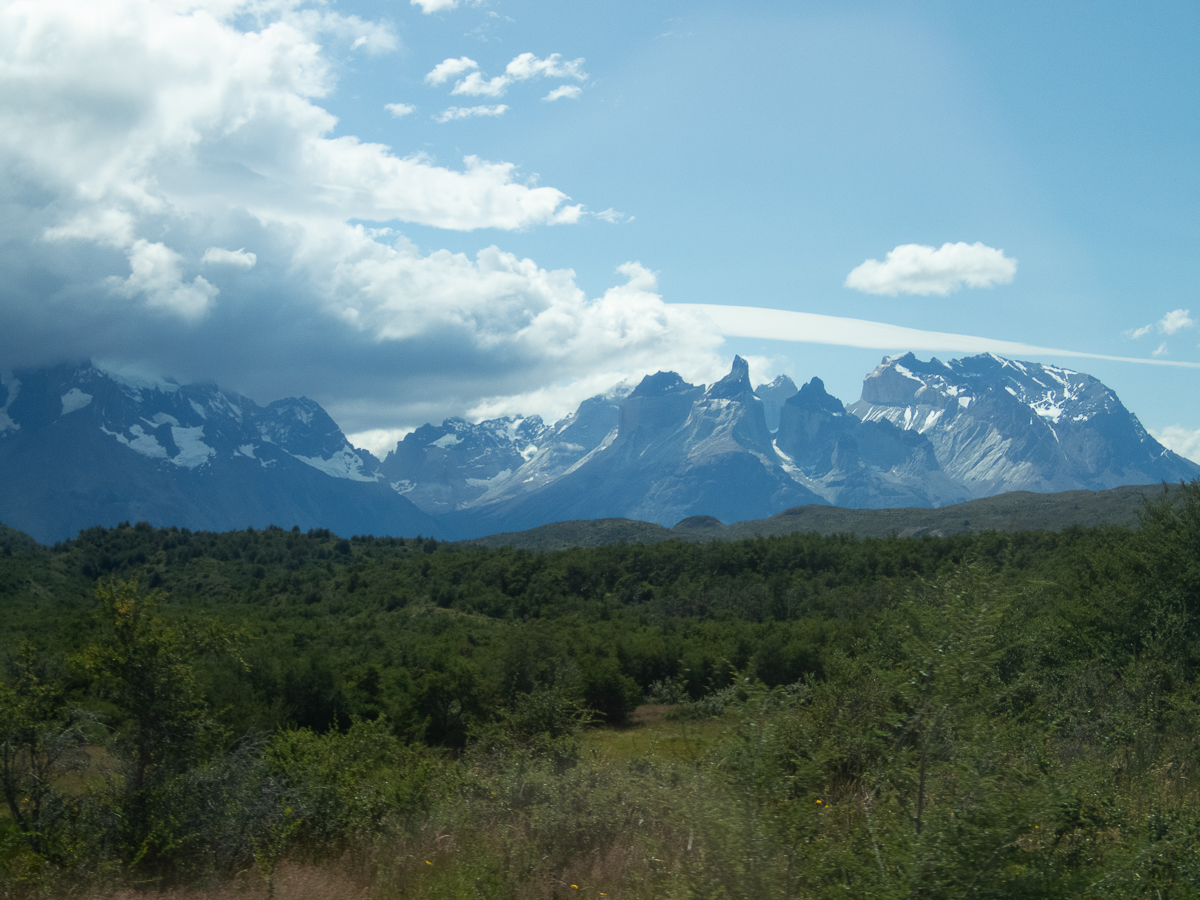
x,y
84,447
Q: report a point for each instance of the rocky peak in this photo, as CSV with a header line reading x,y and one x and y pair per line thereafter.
x,y
773,396
813,397
660,384
734,385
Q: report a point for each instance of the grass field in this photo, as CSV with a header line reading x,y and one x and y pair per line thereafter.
x,y
651,733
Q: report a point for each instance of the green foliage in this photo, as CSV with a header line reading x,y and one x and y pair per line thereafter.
x,y
341,785
1008,715
41,736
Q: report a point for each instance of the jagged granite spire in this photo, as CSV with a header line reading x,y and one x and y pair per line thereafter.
x,y
733,385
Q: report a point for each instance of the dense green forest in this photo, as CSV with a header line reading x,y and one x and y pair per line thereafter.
x,y
299,714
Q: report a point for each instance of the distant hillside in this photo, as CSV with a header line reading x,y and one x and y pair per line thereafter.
x,y
1014,511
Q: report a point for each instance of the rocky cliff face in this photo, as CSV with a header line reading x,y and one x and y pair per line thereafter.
x,y
678,450
859,464
773,396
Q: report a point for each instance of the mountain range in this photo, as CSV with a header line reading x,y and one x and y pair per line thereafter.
x,y
80,446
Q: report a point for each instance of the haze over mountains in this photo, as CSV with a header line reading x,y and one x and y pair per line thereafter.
x,y
80,447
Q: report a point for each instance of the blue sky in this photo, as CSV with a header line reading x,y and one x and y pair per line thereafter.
x,y
218,190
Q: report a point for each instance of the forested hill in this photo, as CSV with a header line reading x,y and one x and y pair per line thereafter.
x,y
884,717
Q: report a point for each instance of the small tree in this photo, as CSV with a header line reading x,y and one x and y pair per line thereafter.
x,y
144,666
40,740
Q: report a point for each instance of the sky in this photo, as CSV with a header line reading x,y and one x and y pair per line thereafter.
x,y
414,210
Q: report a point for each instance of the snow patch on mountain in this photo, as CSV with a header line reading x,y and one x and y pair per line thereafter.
x,y
74,400
140,442
193,452
343,464
11,387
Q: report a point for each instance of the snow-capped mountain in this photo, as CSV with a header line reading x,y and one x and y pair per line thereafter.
x,y
445,467
677,450
858,464
1001,425
81,447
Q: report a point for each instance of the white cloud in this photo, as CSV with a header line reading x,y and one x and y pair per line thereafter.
x,y
1134,333
432,6
155,274
474,85
610,215
399,110
918,269
842,331
468,112
526,66
1184,441
1176,320
133,157
1160,351
121,137
567,91
379,441
450,68
238,258
522,68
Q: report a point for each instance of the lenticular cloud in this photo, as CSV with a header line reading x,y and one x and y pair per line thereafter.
x,y
918,269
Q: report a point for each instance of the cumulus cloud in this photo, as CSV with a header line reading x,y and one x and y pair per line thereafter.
x,y
521,68
1184,441
918,269
156,274
1176,320
453,113
564,91
137,159
238,258
1171,323
432,6
475,85
378,441
120,138
141,163
450,68
399,110
526,66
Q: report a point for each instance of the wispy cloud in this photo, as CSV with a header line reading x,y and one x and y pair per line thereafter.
x,y
918,269
611,216
815,328
470,112
564,91
399,110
